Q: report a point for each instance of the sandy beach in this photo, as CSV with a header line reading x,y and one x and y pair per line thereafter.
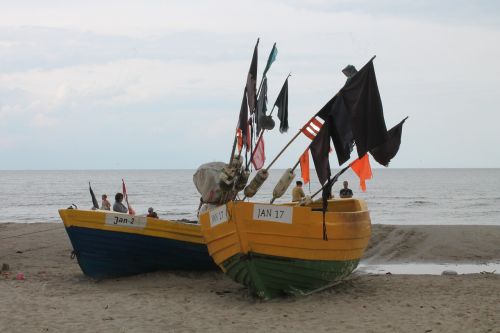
x,y
56,297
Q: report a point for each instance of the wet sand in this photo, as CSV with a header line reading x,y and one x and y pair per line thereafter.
x,y
56,297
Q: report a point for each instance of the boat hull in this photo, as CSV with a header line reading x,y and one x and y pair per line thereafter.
x,y
280,249
105,251
268,276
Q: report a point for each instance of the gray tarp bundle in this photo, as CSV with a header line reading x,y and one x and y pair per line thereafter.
x,y
206,179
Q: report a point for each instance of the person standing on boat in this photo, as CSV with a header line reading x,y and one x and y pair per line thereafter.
x,y
118,206
105,204
297,192
346,192
152,213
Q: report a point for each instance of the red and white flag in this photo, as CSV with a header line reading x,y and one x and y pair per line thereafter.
x,y
259,155
131,211
312,127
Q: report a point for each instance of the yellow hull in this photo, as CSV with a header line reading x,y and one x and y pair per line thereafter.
x,y
110,221
110,244
297,234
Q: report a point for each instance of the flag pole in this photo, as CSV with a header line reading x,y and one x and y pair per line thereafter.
x,y
264,73
270,113
288,144
262,130
281,152
238,123
235,133
298,162
333,180
295,166
233,149
295,137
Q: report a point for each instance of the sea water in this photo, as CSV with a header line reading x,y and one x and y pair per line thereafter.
x,y
429,268
394,196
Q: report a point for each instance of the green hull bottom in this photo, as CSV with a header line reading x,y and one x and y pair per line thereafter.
x,y
268,277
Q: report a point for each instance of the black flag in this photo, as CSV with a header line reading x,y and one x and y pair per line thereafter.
x,y
362,99
320,148
386,151
243,120
94,200
251,86
356,115
282,104
340,127
262,105
341,131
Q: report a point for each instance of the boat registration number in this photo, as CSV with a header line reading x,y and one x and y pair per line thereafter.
x,y
126,220
218,215
273,213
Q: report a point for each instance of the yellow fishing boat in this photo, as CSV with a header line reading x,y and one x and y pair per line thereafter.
x,y
280,249
111,244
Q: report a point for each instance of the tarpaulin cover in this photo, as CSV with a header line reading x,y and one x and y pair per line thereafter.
x,y
206,179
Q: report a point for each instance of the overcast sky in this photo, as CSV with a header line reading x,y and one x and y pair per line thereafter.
x,y
158,84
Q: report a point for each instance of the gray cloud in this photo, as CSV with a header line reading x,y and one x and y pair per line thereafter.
x,y
74,81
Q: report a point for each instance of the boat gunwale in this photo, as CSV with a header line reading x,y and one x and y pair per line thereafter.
x,y
178,230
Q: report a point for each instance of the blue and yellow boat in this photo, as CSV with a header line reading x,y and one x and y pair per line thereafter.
x,y
279,249
110,244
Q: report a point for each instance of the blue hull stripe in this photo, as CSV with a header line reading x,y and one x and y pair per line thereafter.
x,y
104,254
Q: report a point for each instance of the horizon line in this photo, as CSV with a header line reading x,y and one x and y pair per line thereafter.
x,y
181,169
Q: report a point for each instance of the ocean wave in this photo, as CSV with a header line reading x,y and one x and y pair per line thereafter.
x,y
477,204
176,213
392,197
419,203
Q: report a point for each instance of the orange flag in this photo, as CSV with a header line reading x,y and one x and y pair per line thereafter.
x,y
249,138
304,166
240,139
363,169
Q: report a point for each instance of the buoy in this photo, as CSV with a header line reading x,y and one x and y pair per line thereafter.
x,y
283,184
226,179
237,162
228,174
256,183
242,180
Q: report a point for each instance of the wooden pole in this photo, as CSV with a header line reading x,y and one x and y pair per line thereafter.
x,y
233,149
298,162
236,131
283,150
262,130
333,180
235,138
